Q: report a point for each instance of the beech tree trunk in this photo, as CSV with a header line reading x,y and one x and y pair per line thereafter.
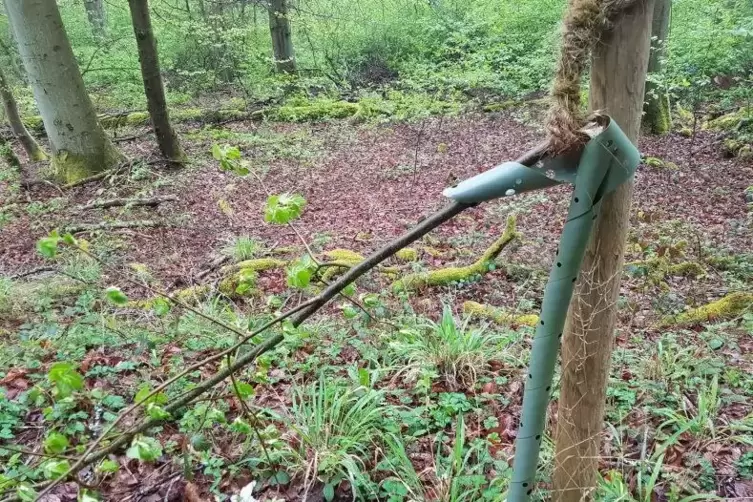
x,y
282,41
167,140
618,77
657,118
33,150
79,145
95,11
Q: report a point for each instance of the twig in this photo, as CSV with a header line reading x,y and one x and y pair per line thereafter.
x,y
96,177
152,201
112,225
121,139
33,271
213,265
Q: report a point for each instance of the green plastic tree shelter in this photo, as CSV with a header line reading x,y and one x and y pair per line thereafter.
x,y
607,160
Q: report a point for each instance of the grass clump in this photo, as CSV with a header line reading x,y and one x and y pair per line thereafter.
x,y
334,429
455,354
241,248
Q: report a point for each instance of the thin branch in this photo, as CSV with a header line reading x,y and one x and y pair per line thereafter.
x,y
151,201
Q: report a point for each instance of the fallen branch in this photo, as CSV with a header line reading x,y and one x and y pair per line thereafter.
x,y
302,312
456,274
152,201
112,225
33,271
96,177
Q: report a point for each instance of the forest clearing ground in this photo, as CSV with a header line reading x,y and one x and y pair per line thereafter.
x,y
364,184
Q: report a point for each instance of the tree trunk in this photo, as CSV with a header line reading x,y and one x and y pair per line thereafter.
x,y
282,42
167,140
33,150
618,77
79,145
657,118
95,11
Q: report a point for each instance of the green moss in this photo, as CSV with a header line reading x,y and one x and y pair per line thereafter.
x,y
686,132
657,269
653,162
657,118
320,109
730,121
257,265
498,107
70,168
407,254
731,146
727,307
499,316
343,255
456,274
745,152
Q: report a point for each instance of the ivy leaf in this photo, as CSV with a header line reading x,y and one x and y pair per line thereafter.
x,y
108,466
48,246
283,208
116,296
65,378
53,469
87,496
145,449
55,443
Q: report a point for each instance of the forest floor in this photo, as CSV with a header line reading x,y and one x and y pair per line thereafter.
x,y
680,397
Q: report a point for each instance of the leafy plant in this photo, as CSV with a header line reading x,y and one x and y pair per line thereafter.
x,y
335,428
241,248
283,208
455,353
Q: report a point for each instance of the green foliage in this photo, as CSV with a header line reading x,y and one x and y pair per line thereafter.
x,y
145,449
115,296
65,378
336,427
284,208
455,353
241,248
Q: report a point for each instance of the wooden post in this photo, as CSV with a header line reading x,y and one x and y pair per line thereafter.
x,y
618,77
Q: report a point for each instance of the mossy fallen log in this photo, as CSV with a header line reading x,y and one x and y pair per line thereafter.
x,y
498,316
727,307
658,269
256,264
141,118
456,274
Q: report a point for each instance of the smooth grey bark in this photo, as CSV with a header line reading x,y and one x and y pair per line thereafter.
x,y
79,145
167,140
95,11
33,150
282,41
657,118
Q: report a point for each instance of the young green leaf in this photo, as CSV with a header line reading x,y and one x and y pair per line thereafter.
x,y
116,296
161,307
156,412
244,390
53,469
26,493
55,443
65,378
108,466
48,246
145,449
283,208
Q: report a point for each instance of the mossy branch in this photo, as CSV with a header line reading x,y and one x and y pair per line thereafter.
x,y
728,307
455,274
